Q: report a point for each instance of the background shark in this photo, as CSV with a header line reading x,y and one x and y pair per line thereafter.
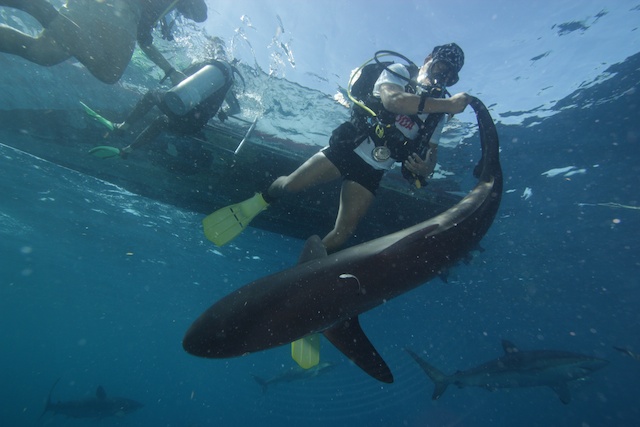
x,y
548,368
295,373
326,293
100,406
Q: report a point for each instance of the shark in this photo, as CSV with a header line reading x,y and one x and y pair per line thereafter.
x,y
325,293
628,352
516,368
100,406
295,373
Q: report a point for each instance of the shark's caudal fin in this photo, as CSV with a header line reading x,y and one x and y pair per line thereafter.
x,y
349,338
48,404
263,383
562,390
440,380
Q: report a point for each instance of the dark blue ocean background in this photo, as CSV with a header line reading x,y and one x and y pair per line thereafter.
x,y
98,286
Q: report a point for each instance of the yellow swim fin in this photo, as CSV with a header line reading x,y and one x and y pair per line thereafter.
x,y
306,351
106,123
225,224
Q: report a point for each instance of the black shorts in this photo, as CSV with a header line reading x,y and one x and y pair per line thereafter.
x,y
352,167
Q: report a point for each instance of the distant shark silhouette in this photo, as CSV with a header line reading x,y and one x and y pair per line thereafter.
x,y
326,293
628,352
296,373
548,368
100,406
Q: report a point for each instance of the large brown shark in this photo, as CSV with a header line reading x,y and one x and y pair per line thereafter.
x,y
326,293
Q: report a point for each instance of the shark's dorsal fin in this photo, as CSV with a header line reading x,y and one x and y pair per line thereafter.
x,y
100,393
349,338
509,347
562,390
313,249
421,234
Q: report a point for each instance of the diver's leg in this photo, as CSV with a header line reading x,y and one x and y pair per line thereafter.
x,y
317,170
148,135
355,201
146,103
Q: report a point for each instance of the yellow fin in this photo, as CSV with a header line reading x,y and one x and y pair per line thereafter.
x,y
225,224
306,351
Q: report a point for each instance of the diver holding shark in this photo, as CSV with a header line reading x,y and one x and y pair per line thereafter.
x,y
397,116
325,293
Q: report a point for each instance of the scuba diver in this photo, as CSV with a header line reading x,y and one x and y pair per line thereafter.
x,y
101,35
402,123
186,108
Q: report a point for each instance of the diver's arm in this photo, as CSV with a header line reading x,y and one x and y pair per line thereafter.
x,y
396,100
157,58
232,103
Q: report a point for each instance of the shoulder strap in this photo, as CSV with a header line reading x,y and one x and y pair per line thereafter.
x,y
426,130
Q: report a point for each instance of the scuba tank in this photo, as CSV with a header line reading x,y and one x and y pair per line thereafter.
x,y
197,87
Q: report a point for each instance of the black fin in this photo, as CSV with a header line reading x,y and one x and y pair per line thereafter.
x,y
48,404
313,249
349,338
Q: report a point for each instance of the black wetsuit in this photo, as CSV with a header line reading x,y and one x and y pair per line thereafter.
x,y
150,13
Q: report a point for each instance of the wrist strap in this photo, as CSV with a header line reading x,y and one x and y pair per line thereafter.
x,y
423,99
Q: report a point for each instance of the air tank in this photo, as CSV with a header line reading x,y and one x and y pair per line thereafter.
x,y
197,87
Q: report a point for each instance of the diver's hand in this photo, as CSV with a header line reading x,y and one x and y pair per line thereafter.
x,y
418,166
458,102
176,77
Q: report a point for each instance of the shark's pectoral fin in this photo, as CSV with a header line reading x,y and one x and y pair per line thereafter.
x,y
562,390
349,338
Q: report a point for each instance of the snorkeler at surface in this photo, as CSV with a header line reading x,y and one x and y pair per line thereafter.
x,y
101,34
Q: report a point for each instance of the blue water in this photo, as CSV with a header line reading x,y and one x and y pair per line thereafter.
x,y
98,286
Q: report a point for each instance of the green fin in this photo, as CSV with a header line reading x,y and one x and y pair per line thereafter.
x,y
105,151
106,123
225,224
306,351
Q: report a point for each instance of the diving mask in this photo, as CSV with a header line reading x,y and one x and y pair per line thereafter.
x,y
442,73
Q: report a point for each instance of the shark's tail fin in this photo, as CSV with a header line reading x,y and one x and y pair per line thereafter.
x,y
262,382
440,380
47,405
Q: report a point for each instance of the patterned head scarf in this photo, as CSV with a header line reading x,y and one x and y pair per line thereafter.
x,y
452,54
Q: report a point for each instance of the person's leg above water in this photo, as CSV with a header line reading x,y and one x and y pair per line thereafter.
x,y
355,201
41,10
41,50
99,34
